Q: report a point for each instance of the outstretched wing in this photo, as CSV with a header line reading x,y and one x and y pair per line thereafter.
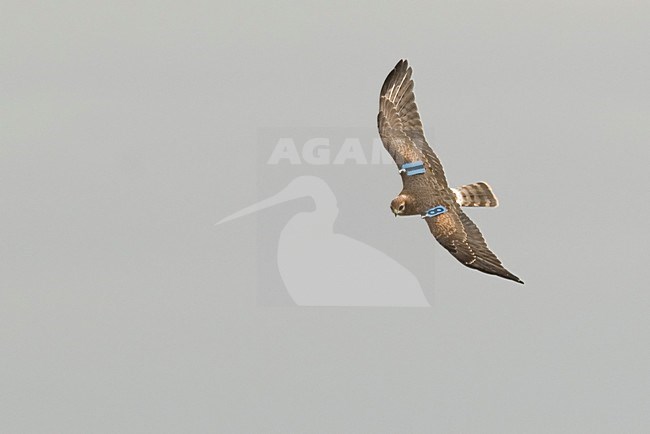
x,y
458,234
399,123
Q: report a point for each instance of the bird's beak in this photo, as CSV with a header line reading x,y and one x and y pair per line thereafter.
x,y
283,196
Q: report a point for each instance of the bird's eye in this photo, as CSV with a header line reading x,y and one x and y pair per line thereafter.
x,y
401,207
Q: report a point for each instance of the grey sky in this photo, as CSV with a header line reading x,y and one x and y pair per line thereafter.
x,y
122,132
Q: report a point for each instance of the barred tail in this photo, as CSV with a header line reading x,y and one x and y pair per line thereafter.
x,y
477,194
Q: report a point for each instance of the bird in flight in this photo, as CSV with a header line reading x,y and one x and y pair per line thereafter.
x,y
425,189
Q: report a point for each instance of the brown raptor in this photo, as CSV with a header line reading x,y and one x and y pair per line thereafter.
x,y
425,189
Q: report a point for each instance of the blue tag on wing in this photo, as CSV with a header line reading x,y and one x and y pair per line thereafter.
x,y
436,210
414,168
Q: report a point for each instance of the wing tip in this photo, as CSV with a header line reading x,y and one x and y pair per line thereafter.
x,y
401,62
402,66
501,273
514,278
401,69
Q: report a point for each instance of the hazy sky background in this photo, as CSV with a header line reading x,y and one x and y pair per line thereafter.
x,y
124,309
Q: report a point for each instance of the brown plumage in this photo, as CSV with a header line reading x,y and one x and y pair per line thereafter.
x,y
477,194
401,132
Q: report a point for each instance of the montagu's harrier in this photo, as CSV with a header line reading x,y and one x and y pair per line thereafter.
x,y
425,190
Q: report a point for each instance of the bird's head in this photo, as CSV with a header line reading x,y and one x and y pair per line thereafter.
x,y
401,205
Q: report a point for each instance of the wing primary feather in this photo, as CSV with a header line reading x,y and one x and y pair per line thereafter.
x,y
400,127
462,238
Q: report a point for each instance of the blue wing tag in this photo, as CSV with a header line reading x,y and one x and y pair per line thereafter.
x,y
414,168
436,210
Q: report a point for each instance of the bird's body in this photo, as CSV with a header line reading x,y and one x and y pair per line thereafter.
x,y
425,189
